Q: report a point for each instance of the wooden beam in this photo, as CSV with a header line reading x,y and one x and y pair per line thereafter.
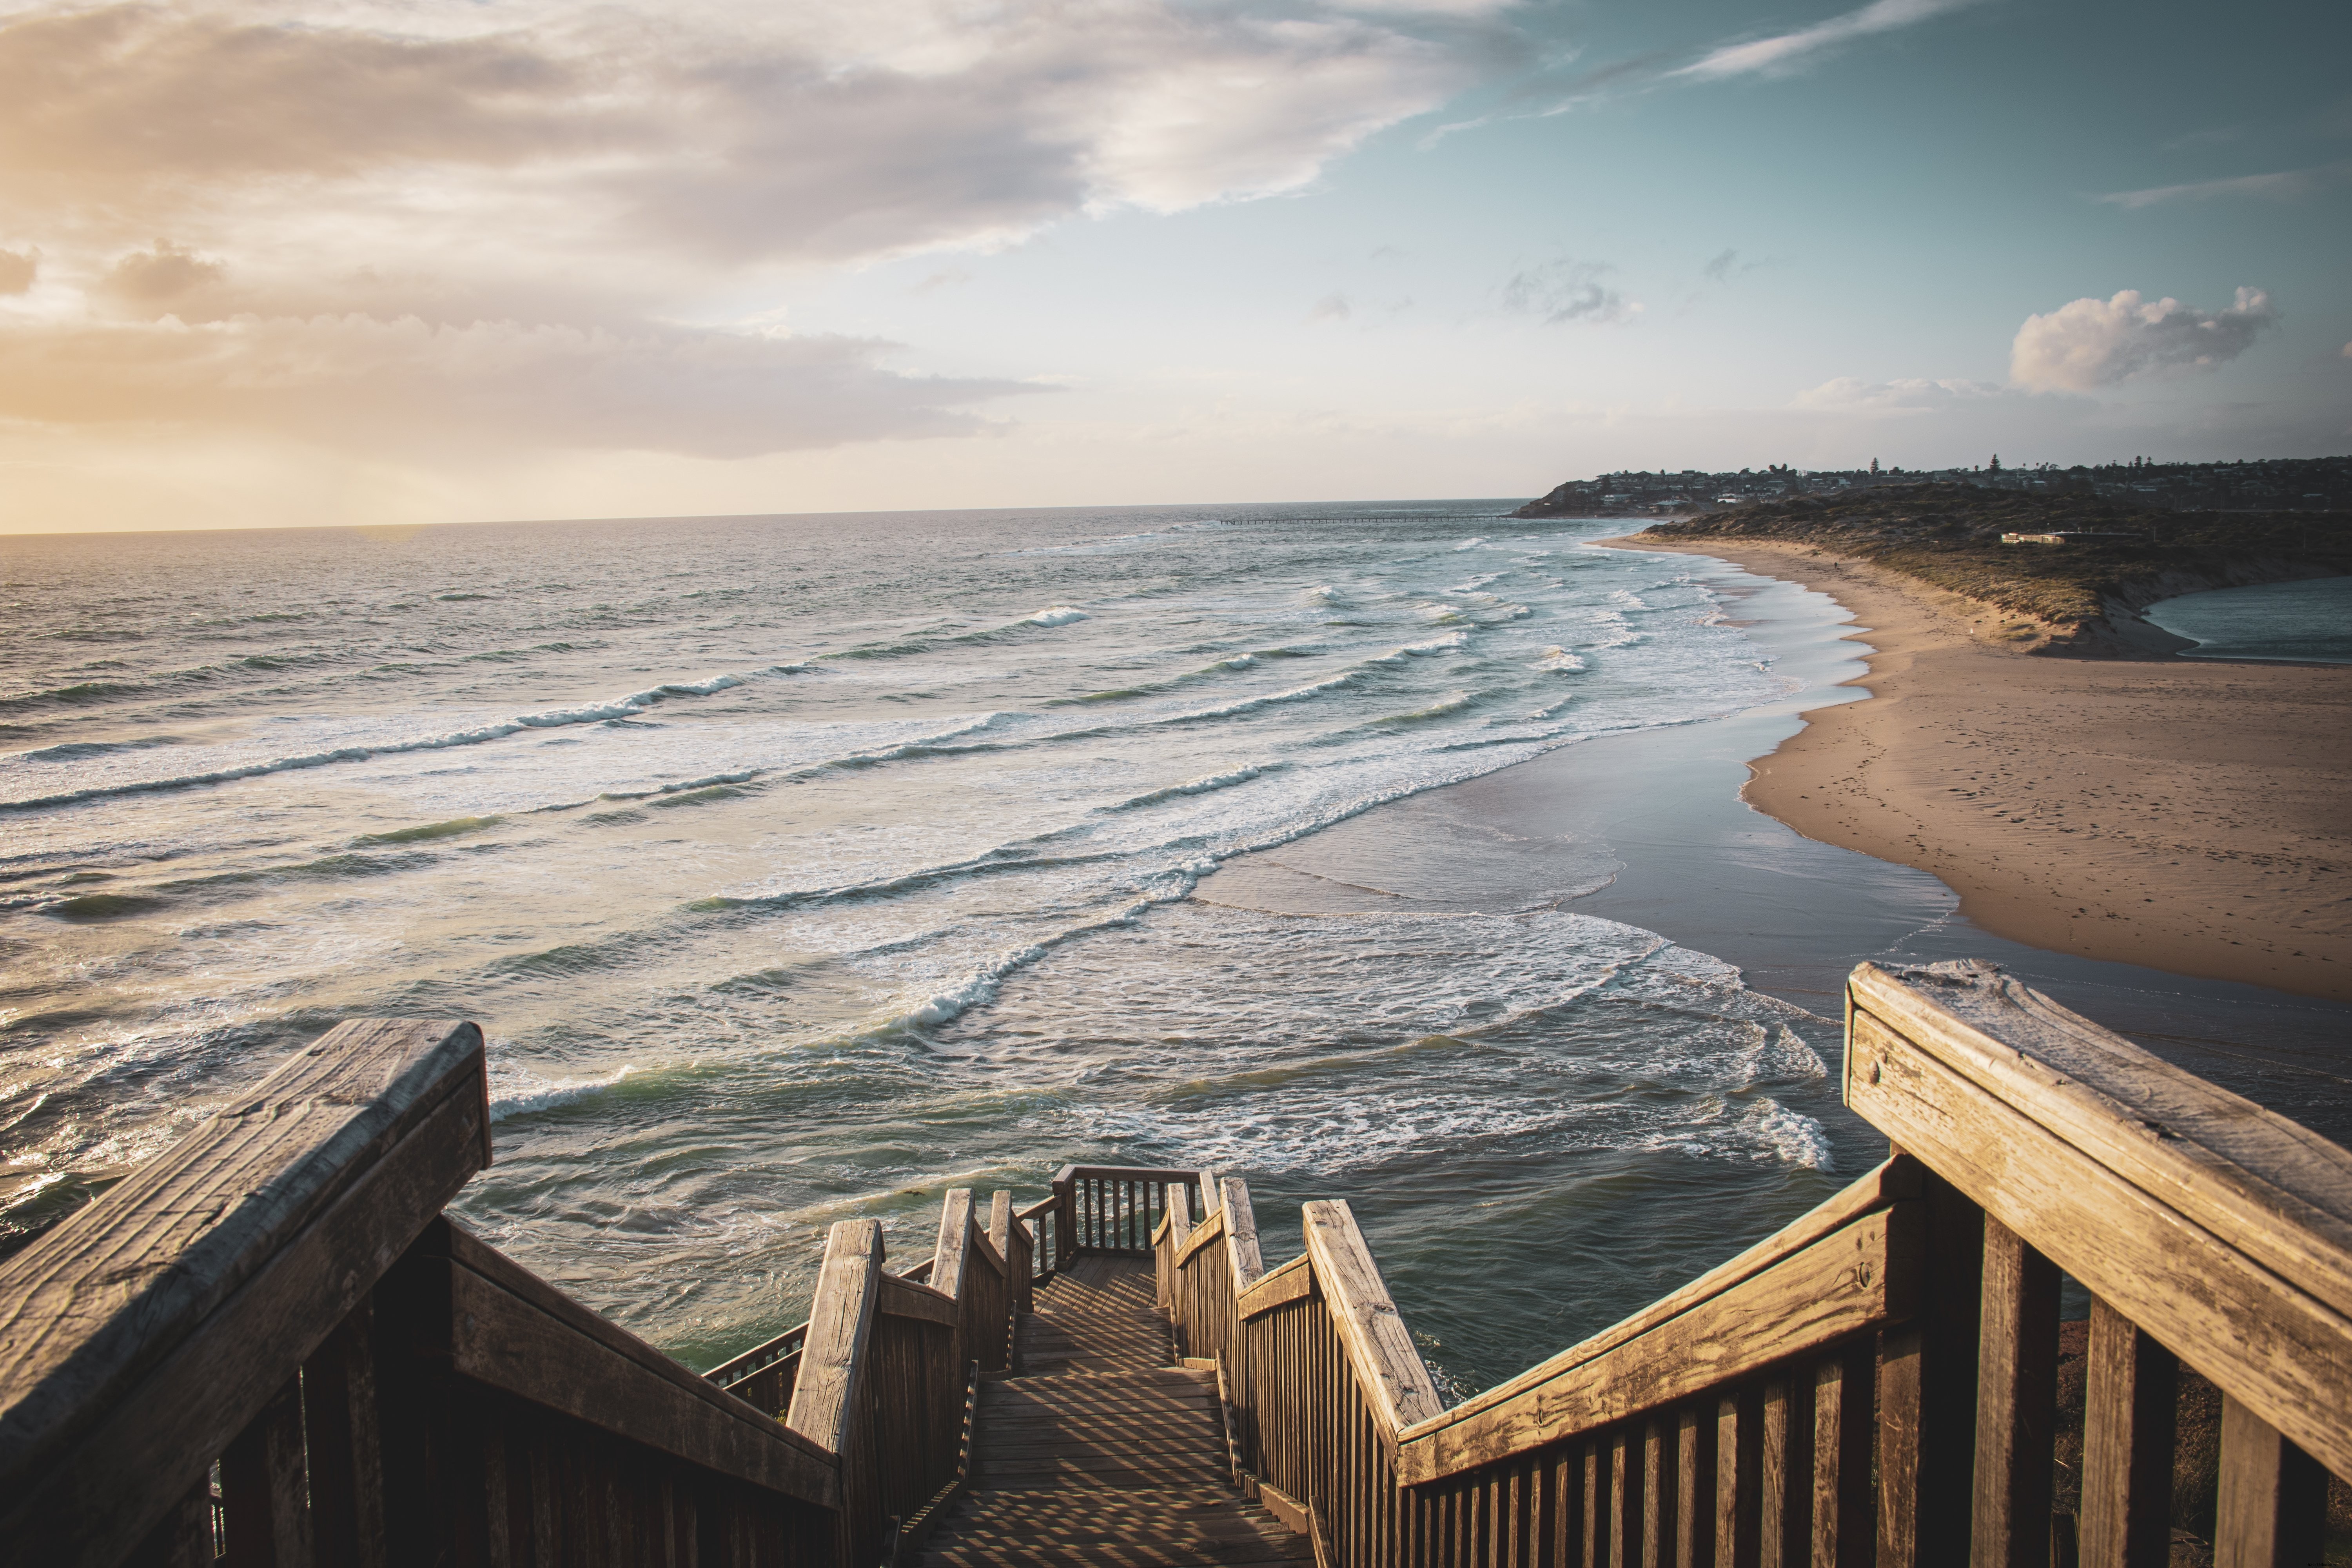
x,y
144,1332
1294,1281
2194,1289
841,1319
1204,1234
908,1299
1854,1280
1388,1370
511,1330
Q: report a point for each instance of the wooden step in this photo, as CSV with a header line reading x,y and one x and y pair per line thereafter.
x,y
1096,1451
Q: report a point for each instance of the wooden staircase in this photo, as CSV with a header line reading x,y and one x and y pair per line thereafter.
x,y
1095,1449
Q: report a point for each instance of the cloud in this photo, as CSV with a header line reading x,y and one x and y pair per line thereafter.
x,y
1892,399
2090,343
1567,290
1785,52
364,382
2286,185
1331,308
427,221
158,280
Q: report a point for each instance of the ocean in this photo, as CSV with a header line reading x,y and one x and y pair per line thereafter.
x,y
799,869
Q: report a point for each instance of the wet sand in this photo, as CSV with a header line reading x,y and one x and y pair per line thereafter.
x,y
2192,816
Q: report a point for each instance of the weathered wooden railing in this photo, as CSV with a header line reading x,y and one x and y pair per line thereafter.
x,y
1875,1385
270,1345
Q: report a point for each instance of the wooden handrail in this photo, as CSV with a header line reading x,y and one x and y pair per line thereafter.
x,y
1892,1182
1883,1366
145,1332
2221,1228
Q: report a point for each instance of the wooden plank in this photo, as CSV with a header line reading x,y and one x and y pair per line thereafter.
x,y
1892,1182
841,1319
1294,1281
83,1481
1857,1279
2273,1508
2131,1394
1389,1370
2281,1193
2194,1292
2017,1398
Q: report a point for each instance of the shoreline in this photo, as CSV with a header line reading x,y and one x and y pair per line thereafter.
x,y
2188,815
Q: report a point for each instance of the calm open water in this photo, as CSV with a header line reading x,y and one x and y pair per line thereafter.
x,y
799,869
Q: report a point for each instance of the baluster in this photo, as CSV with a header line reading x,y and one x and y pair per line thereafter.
x,y
1660,1473
2271,1513
1625,1498
1926,1395
183,1538
1738,1477
2017,1398
1596,1507
263,1487
1841,1444
346,1463
1784,1537
1694,1489
2131,1387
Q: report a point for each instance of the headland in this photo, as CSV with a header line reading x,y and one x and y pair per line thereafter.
x,y
2118,804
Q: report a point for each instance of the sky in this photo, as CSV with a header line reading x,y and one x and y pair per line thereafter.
x,y
303,262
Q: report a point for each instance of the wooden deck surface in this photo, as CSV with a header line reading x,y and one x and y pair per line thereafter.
x,y
1097,1451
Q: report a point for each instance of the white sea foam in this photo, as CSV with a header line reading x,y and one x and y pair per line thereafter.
x,y
1059,616
519,1091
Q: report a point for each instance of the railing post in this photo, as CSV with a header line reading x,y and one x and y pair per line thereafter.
x,y
828,1401
1065,1219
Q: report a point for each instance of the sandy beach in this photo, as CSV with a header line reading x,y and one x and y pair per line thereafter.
x,y
2193,818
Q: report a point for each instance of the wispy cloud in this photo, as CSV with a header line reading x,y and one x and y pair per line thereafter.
x,y
1565,292
2286,184
1785,52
